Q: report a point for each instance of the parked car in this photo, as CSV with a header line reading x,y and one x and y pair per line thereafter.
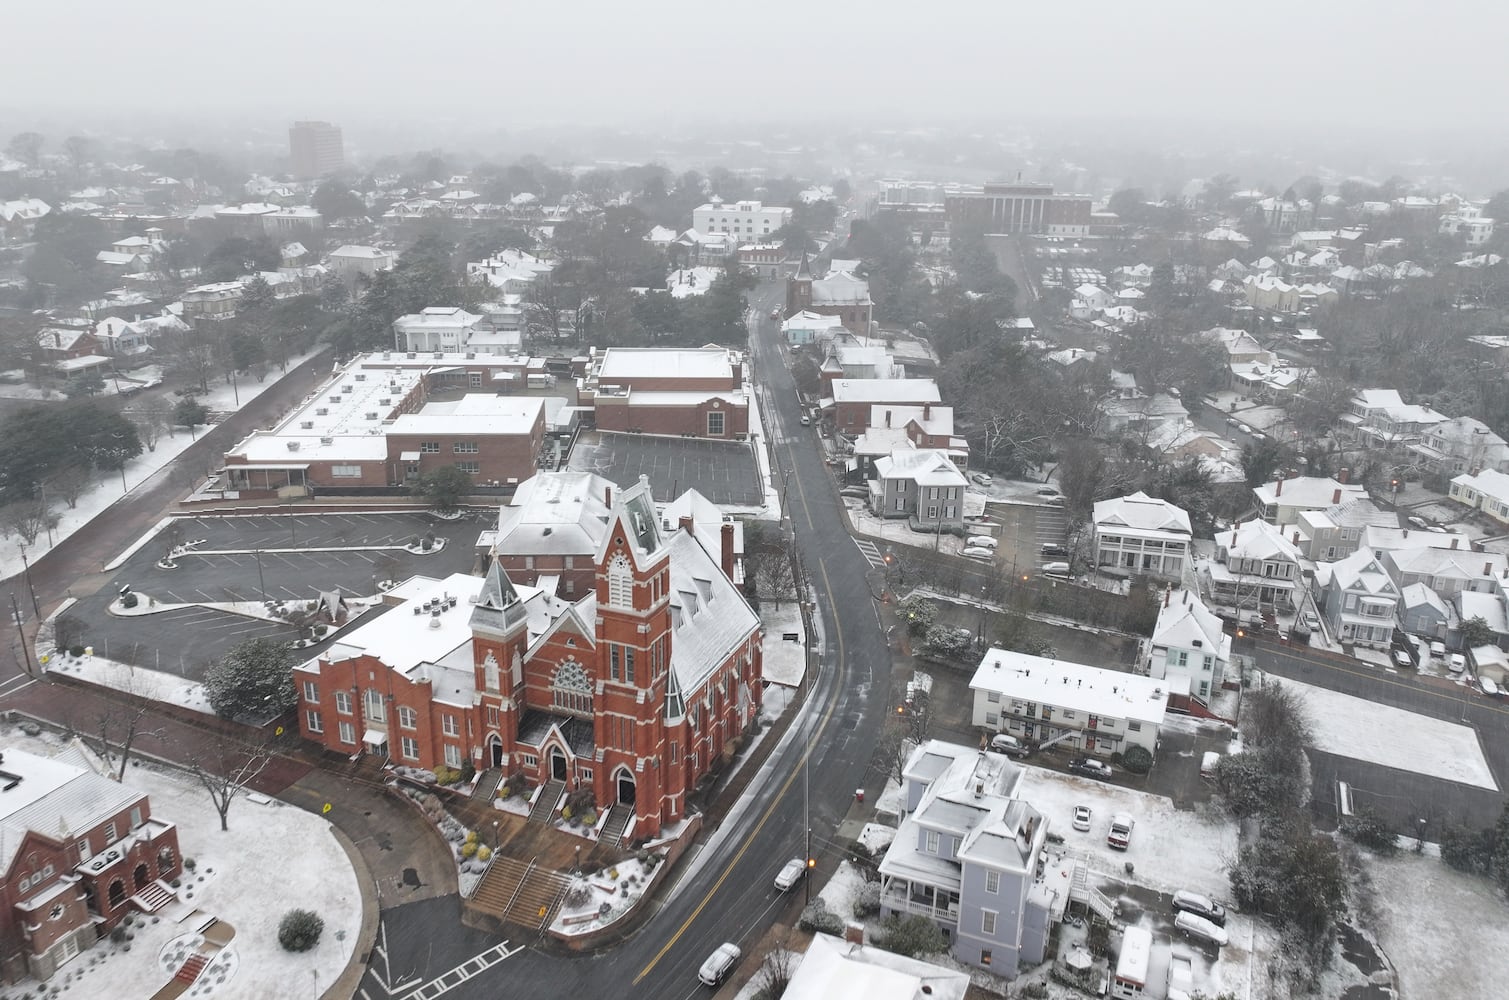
x,y
1198,927
982,541
1082,819
1090,767
1052,549
1008,744
982,478
1438,650
979,552
1120,836
1047,491
1457,663
1201,906
775,313
790,874
719,964
1312,621
1058,501
1418,522
806,420
1489,688
1059,569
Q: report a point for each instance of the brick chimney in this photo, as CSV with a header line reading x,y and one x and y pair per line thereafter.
x,y
927,411
686,524
1295,539
1453,540
608,496
1341,477
1278,487
854,933
1336,494
888,418
1168,593
728,550
1488,569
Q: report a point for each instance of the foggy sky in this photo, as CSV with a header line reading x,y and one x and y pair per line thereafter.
x,y
1308,65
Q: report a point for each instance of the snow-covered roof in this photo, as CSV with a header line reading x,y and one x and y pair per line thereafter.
x,y
1184,622
353,251
1487,606
1312,492
659,362
1093,690
557,512
1361,571
1140,512
840,289
473,413
402,640
924,466
1256,539
1490,483
438,318
885,390
58,797
831,967
808,320
710,619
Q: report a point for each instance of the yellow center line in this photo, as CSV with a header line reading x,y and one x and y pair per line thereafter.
x,y
770,811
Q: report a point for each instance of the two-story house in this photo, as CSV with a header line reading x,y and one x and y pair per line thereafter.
x,y
1140,534
920,484
1045,701
1448,571
898,427
966,854
1189,640
1336,532
1255,567
1281,501
1379,417
1487,491
1462,444
1357,599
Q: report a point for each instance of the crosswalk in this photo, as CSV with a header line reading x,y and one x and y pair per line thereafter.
x,y
871,552
461,973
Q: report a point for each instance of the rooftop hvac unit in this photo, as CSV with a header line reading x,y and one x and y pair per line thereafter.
x,y
327,440
470,355
335,398
347,387
371,414
385,401
412,355
322,412
360,377
293,446
307,425
439,355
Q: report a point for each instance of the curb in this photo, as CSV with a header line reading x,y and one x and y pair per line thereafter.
x,y
346,983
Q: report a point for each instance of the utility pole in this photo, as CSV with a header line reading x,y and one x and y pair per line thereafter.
x,y
16,610
26,572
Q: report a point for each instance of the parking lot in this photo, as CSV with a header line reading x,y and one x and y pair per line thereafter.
x,y
723,471
283,557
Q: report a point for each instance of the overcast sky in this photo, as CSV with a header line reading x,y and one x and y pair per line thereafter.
x,y
1314,63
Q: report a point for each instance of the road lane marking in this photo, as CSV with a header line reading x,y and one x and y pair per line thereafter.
x,y
774,802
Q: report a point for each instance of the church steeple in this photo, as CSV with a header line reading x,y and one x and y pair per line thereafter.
x,y
498,608
804,269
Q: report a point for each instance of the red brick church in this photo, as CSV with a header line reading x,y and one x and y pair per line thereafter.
x,y
632,689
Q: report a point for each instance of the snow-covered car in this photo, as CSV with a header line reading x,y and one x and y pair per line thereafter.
x,y
1090,767
981,541
719,964
1312,621
979,552
1198,927
806,420
1082,819
1457,663
1120,835
982,478
1008,744
1201,906
790,874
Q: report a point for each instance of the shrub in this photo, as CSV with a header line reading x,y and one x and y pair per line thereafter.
x,y
919,614
471,836
190,864
1035,990
76,650
118,935
1367,828
469,849
129,601
867,900
1467,850
589,818
299,930
579,895
468,772
484,852
1138,760
912,936
816,917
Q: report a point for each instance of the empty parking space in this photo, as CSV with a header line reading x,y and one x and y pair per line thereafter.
x,y
723,471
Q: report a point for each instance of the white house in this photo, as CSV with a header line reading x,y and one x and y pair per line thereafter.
x,y
436,328
353,261
1281,501
1138,534
832,967
1255,567
1189,641
746,220
1044,701
1462,444
1488,491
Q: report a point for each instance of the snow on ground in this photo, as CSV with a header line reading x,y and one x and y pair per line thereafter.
x,y
1392,737
106,489
889,803
838,894
1170,849
774,700
155,684
877,837
611,892
896,530
785,660
230,881
1444,931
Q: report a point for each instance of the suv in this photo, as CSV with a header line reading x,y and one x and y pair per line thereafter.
x,y
1201,906
982,478
1008,744
719,964
1090,767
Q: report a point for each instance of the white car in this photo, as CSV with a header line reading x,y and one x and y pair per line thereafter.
x,y
791,873
982,478
1198,927
1457,663
979,552
981,541
1082,819
719,964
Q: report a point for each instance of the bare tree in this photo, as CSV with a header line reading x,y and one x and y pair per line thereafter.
x,y
905,730
775,971
151,420
120,721
224,768
71,483
27,518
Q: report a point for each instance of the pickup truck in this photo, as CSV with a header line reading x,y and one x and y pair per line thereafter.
x,y
1120,836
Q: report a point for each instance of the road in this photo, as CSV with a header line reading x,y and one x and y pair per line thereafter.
x,y
724,892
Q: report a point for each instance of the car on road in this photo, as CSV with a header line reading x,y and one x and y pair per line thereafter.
x,y
1047,491
1312,621
1082,819
790,874
1232,422
981,478
1457,663
719,964
1198,927
1058,501
1058,569
1008,744
1052,549
806,420
1090,767
775,313
978,552
1201,906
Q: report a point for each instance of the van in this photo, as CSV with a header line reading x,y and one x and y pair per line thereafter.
x,y
1056,569
1438,650
719,964
1198,927
1120,836
1489,688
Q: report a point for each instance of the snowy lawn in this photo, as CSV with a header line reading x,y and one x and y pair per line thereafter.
x,y
784,660
596,900
1365,730
838,894
230,881
106,490
1445,931
896,530
1170,849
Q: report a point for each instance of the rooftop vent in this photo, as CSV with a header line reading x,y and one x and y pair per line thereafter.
x,y
293,446
361,377
307,425
322,412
